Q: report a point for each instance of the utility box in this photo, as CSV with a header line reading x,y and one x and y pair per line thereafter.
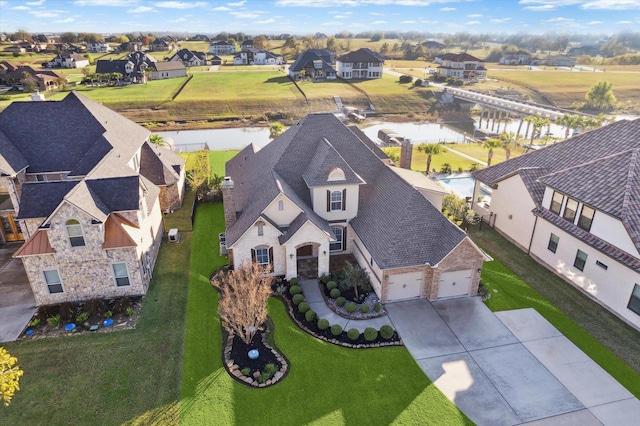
x,y
174,237
223,244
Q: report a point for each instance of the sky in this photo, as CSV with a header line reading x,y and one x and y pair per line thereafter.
x,y
304,17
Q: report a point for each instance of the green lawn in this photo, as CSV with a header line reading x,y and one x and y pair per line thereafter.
x,y
477,151
239,85
419,159
516,281
326,384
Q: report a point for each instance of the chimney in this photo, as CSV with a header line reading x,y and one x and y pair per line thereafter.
x,y
406,149
37,96
228,201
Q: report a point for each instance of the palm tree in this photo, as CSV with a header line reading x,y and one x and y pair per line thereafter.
x,y
490,144
569,122
430,149
537,123
157,140
509,141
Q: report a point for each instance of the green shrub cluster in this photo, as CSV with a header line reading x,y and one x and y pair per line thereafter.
x,y
304,307
353,334
351,307
295,289
331,285
341,301
386,332
297,299
336,329
370,334
323,324
377,307
335,293
269,370
310,315
364,308
293,281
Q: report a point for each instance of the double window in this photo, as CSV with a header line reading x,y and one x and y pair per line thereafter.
x,y
580,260
262,255
121,274
52,279
74,230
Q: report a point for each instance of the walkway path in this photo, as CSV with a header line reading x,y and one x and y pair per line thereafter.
x,y
312,293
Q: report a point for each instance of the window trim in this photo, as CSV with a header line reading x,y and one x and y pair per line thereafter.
x,y
254,255
335,204
341,241
559,204
567,209
49,285
635,298
116,277
576,263
76,225
555,242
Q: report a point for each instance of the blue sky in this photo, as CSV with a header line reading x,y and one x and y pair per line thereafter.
x,y
326,16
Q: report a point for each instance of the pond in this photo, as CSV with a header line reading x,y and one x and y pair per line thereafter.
x,y
418,132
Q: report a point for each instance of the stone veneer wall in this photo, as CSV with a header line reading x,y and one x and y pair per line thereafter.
x,y
170,197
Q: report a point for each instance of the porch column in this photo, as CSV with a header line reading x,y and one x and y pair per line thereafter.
x,y
323,258
291,262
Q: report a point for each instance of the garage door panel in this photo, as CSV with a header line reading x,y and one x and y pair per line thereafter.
x,y
455,283
404,286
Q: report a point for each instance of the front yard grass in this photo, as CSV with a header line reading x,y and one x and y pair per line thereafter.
x,y
610,342
325,385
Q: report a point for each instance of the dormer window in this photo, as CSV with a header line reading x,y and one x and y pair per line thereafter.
x,y
336,174
336,200
586,218
74,230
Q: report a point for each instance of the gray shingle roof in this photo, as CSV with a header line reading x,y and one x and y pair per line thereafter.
x,y
361,55
157,164
325,159
11,160
417,234
40,199
308,56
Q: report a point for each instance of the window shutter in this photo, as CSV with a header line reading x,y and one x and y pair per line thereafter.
x,y
344,238
344,199
328,200
253,255
271,255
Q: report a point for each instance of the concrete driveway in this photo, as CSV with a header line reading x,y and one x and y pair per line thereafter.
x,y
17,304
509,368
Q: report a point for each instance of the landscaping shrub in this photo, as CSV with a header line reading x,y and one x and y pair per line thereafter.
x,y
386,332
353,334
324,278
418,82
370,334
130,311
323,324
364,308
66,311
310,315
54,321
297,299
295,289
446,168
95,306
121,304
351,307
303,307
269,370
82,318
405,78
245,371
377,307
331,285
341,301
293,281
336,329
335,293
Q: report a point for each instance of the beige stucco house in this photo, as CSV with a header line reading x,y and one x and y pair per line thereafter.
x,y
322,189
85,189
575,208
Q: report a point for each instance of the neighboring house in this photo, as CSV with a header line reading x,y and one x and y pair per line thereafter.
x,y
520,57
315,64
432,44
253,56
164,70
440,58
462,66
246,44
361,64
215,60
190,58
323,189
133,67
132,46
559,61
87,191
13,75
98,47
200,37
575,207
160,45
69,60
222,47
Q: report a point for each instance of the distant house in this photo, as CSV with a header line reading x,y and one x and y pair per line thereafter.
x,y
132,46
432,44
133,68
438,59
315,64
13,75
222,47
246,44
253,56
164,70
160,45
216,60
68,60
361,64
521,57
99,47
462,66
559,61
190,58
200,37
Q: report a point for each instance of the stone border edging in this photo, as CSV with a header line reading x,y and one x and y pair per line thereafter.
x,y
346,315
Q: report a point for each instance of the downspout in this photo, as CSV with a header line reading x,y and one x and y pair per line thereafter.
x,y
533,232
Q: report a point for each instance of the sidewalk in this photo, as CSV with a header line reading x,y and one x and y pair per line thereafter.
x,y
311,292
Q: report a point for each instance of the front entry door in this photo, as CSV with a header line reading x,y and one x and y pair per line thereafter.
x,y
11,228
305,251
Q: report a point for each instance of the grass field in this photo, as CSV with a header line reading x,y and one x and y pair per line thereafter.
x,y
419,159
516,281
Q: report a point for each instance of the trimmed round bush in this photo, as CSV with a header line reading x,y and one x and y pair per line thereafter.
x,y
377,307
386,332
370,334
323,324
353,334
336,329
295,289
297,299
310,315
335,293
293,281
304,307
331,285
341,301
351,307
364,308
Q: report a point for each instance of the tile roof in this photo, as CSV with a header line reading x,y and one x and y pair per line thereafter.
x,y
417,234
361,55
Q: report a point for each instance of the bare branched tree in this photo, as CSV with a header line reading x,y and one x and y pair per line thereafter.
x,y
243,299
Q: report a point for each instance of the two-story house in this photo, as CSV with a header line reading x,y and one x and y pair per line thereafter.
x,y
134,67
86,190
575,207
68,60
521,57
98,47
253,56
361,64
222,47
190,58
315,64
323,189
462,66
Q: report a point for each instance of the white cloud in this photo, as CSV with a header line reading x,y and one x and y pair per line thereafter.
x,y
33,3
222,8
20,8
116,3
376,14
245,15
142,9
183,19
180,4
475,15
543,8
613,5
352,3
473,23
408,22
237,4
64,21
378,22
500,20
44,14
624,22
595,23
447,9
266,21
559,20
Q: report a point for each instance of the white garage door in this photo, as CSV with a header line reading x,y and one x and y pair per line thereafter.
x,y
456,283
404,286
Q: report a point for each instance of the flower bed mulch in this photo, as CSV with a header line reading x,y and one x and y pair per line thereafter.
x,y
369,299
